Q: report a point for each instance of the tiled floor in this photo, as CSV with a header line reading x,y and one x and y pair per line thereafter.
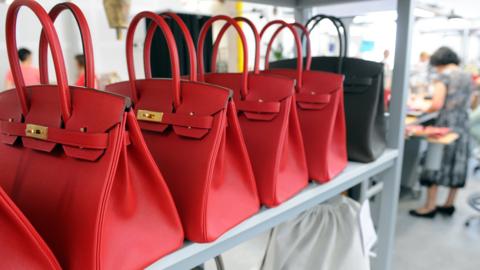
x,y
438,244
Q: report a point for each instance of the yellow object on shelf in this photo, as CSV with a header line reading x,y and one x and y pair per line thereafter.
x,y
117,14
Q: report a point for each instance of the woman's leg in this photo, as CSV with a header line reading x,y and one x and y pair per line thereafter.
x,y
452,194
431,202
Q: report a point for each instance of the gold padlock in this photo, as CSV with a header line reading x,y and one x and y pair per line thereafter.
x,y
36,131
150,116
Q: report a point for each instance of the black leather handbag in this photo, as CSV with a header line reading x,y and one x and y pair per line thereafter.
x,y
363,93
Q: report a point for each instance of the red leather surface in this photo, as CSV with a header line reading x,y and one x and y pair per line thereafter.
x,y
321,114
22,247
206,165
268,118
106,208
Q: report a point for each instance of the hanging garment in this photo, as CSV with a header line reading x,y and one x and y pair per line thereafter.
x,y
363,93
326,237
319,98
268,118
21,246
74,161
192,130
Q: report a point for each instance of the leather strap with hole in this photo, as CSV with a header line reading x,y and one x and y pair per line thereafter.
x,y
58,135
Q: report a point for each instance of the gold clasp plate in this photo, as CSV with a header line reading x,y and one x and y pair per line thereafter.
x,y
150,116
36,131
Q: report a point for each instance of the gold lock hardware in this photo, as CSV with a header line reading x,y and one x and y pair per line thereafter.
x,y
150,116
36,131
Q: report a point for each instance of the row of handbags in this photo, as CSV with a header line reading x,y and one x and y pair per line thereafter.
x,y
363,92
99,173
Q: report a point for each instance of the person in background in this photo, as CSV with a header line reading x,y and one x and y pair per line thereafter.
x,y
451,97
387,70
420,75
80,60
31,74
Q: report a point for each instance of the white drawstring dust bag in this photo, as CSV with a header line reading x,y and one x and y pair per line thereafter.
x,y
327,237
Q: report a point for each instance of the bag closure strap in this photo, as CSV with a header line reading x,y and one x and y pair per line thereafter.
x,y
56,135
358,81
187,120
258,106
313,97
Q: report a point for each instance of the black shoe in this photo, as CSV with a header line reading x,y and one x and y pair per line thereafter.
x,y
446,210
430,214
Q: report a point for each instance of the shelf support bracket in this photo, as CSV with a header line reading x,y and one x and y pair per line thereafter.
x,y
395,136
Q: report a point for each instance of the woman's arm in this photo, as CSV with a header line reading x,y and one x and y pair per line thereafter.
x,y
439,95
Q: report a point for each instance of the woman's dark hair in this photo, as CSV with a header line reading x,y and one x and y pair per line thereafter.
x,y
80,58
444,56
23,54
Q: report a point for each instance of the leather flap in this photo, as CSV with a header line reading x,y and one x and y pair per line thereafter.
x,y
312,100
44,111
84,135
193,118
194,133
258,109
201,102
357,85
9,111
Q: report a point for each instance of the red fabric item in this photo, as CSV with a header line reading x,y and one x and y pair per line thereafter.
x,y
195,140
320,110
80,80
32,76
22,247
97,205
268,118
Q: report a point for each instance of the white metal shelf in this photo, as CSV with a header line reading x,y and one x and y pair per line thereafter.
x,y
192,254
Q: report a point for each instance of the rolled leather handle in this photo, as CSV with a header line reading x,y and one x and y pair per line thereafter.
x,y
201,43
256,36
192,58
86,43
304,32
55,48
298,47
172,48
342,37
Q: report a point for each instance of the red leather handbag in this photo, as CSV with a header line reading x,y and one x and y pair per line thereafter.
x,y
74,161
22,247
320,110
192,131
268,118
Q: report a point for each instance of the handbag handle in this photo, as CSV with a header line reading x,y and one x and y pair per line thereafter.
x,y
216,45
304,33
342,38
58,60
172,48
188,39
201,43
86,43
298,44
